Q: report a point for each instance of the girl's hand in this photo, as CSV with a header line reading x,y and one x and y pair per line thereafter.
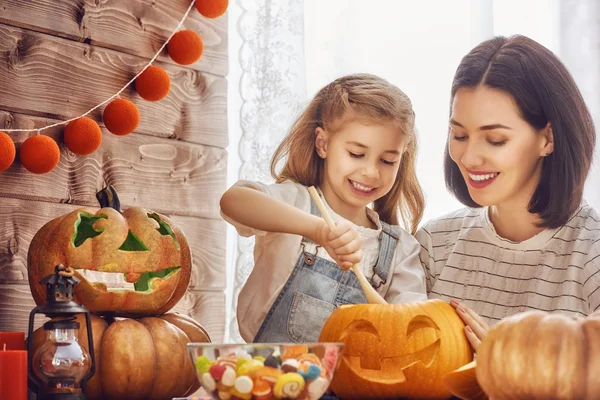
x,y
343,243
476,328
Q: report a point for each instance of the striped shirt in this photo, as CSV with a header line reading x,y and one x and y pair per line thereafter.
x,y
556,270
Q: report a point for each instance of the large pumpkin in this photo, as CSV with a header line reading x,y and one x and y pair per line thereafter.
x,y
147,249
399,350
140,359
536,355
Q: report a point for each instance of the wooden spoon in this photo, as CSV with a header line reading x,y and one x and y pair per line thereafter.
x,y
372,296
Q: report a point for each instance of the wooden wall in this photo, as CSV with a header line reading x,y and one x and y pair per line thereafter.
x,y
59,58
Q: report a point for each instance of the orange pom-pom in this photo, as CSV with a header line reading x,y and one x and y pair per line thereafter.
x,y
212,8
83,136
39,154
185,47
153,84
121,117
7,151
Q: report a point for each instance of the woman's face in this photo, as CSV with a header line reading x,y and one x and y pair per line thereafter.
x,y
499,154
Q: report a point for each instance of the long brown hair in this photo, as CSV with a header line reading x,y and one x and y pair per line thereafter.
x,y
545,93
355,96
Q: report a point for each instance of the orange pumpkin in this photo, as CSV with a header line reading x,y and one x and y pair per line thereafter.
x,y
138,246
140,359
399,350
537,355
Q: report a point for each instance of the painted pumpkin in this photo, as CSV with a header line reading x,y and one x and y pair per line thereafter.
x,y
537,355
140,359
396,350
145,250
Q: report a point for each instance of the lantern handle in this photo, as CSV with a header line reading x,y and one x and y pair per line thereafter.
x,y
372,296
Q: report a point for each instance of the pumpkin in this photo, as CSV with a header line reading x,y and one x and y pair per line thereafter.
x,y
537,355
462,383
139,359
396,350
144,249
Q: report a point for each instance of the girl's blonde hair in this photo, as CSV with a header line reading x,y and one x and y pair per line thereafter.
x,y
356,96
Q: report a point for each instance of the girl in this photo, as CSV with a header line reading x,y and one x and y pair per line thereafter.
x,y
356,143
519,149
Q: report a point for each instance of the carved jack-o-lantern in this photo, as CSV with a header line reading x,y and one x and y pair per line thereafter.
x,y
400,350
141,249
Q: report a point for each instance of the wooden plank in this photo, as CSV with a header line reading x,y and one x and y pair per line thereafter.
x,y
21,219
59,79
166,175
208,308
138,27
15,305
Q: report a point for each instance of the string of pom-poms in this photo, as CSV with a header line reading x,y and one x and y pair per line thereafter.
x,y
82,135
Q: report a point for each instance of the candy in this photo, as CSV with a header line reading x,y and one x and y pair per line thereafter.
x,y
310,357
208,382
261,388
259,358
244,384
268,374
202,364
224,395
288,385
312,372
316,388
249,366
290,365
229,376
237,395
272,362
240,362
243,355
217,371
329,359
294,351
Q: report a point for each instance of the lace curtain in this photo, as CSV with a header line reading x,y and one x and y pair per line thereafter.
x,y
273,89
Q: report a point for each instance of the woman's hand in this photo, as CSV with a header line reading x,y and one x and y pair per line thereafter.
x,y
343,243
476,328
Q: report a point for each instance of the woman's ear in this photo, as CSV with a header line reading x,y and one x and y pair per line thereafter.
x,y
321,139
548,141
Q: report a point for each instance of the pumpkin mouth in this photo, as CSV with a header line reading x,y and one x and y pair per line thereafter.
x,y
387,369
119,281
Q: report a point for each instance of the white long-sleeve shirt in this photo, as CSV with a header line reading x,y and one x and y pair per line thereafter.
x,y
275,255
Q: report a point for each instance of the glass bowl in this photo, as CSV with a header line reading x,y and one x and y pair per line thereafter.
x,y
264,371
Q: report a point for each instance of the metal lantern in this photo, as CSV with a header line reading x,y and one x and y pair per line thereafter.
x,y
61,366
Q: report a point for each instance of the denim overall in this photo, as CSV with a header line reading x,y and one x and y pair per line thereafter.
x,y
315,288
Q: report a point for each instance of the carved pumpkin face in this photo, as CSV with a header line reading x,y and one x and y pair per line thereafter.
x,y
144,252
396,350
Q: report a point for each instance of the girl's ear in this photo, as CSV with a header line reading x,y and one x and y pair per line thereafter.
x,y
321,139
548,141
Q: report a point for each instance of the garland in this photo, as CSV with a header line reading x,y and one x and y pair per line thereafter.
x,y
82,135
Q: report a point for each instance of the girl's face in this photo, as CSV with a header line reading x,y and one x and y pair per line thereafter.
x,y
361,162
499,154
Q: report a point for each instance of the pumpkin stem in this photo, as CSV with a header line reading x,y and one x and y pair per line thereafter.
x,y
107,197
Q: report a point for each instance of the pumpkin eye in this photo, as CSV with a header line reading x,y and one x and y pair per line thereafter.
x,y
133,243
164,228
84,228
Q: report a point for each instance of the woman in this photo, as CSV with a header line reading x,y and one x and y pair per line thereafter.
x,y
519,149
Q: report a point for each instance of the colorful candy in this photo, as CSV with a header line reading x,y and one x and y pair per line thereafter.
x,y
288,385
295,374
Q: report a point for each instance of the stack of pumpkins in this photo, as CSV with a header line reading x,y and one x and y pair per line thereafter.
x,y
140,351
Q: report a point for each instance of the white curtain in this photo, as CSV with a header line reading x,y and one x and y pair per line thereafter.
x,y
580,50
267,89
282,52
